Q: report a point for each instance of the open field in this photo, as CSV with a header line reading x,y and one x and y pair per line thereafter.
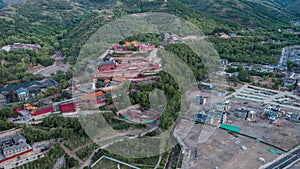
x,y
220,150
296,166
285,136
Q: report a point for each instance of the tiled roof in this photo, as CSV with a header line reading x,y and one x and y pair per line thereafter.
x,y
43,83
93,95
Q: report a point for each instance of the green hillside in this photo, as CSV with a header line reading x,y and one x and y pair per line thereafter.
x,y
289,5
66,25
283,3
295,7
42,22
245,12
2,4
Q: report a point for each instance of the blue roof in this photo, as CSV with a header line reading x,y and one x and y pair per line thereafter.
x,y
43,84
22,91
33,83
8,88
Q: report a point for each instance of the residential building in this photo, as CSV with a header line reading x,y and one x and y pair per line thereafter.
x,y
206,85
15,46
224,61
105,66
6,48
12,144
266,69
201,99
24,90
66,108
293,117
23,94
2,99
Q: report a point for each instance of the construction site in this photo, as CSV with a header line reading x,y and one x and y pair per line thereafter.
x,y
252,123
268,115
216,148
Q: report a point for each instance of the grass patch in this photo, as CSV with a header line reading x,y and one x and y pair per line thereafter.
x,y
76,141
85,152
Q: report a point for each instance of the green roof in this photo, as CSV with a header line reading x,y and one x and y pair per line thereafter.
x,y
230,127
274,151
150,121
83,115
127,118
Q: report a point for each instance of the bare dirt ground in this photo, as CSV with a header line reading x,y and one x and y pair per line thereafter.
x,y
296,166
285,136
32,69
220,150
263,82
209,147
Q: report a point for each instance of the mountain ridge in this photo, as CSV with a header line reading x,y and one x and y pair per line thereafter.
x,y
291,5
245,12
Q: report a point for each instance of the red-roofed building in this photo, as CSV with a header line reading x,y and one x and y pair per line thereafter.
x,y
18,110
155,67
107,66
147,47
43,111
16,155
66,108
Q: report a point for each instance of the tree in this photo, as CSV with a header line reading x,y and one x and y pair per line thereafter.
x,y
109,98
122,42
290,65
63,84
6,125
70,161
12,95
244,76
6,112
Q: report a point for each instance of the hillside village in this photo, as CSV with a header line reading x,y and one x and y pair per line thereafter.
x,y
113,70
54,116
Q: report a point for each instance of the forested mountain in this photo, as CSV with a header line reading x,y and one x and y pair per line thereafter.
x,y
247,12
291,5
39,22
284,3
66,25
2,4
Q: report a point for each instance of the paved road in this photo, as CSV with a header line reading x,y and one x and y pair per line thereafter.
x,y
286,161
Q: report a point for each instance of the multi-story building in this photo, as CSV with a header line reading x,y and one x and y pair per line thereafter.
x,y
13,144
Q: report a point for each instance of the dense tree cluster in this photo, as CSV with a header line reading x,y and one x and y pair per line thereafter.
x,y
62,25
54,127
172,93
246,50
39,22
192,60
6,125
243,75
15,64
252,14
